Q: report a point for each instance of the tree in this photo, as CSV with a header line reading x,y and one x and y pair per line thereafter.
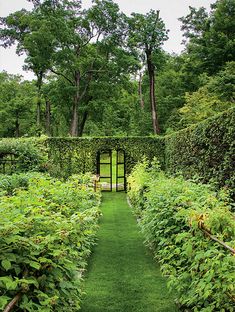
x,y
17,101
216,95
78,44
85,40
31,32
210,37
146,35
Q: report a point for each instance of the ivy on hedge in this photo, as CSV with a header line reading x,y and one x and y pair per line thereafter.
x,y
206,150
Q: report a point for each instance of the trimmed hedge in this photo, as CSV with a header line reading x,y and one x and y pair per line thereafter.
x,y
206,150
30,154
71,155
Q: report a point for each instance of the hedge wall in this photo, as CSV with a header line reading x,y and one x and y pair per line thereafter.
x,y
206,150
73,155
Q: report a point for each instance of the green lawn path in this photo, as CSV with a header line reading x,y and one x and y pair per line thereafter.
x,y
122,275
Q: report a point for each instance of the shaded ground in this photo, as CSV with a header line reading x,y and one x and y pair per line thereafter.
x,y
122,275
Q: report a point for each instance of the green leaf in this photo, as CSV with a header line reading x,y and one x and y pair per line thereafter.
x,y
35,265
6,264
3,301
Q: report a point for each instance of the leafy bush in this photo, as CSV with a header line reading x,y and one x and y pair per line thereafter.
x,y
170,211
47,230
30,154
10,183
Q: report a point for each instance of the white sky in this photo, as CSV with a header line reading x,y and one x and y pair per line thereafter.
x,y
170,11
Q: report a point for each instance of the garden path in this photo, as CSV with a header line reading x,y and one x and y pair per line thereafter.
x,y
122,275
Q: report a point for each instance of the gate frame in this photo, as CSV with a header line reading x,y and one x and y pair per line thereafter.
x,y
107,151
110,163
124,168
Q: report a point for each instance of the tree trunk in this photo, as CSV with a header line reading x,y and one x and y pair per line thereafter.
x,y
74,121
140,92
151,73
38,111
39,85
48,117
82,125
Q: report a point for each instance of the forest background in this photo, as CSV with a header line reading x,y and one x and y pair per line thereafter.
x,y
100,72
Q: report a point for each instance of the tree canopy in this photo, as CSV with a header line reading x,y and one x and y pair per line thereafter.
x,y
100,72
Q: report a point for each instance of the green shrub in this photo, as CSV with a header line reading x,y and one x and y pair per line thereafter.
x,y
169,212
29,154
47,230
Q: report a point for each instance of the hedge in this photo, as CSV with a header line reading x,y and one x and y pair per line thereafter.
x,y
29,154
206,150
71,155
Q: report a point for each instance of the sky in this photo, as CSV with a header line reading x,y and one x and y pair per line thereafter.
x,y
170,11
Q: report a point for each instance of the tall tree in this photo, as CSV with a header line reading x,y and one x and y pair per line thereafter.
x,y
146,36
30,30
210,38
17,102
84,39
77,42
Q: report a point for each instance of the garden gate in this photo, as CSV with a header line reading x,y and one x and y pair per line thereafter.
x,y
8,163
111,168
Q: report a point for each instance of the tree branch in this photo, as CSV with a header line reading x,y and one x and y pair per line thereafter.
x,y
13,302
62,75
86,87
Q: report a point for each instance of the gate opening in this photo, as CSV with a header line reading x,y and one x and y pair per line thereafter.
x,y
111,169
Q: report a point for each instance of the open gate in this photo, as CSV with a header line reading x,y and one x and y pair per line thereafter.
x,y
104,170
111,170
120,171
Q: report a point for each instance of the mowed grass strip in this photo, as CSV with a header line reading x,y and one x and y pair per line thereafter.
x,y
122,275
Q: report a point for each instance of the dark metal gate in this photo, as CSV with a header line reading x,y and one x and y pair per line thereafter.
x,y
120,171
8,163
104,170
111,175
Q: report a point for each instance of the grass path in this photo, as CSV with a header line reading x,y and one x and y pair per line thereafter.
x,y
122,275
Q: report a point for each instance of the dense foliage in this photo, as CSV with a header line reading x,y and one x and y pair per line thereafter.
x,y
171,213
47,229
206,150
70,155
99,72
28,154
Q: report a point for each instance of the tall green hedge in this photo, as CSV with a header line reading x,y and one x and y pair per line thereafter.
x,y
206,150
72,155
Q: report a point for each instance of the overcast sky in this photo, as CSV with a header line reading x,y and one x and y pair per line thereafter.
x,y
170,11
